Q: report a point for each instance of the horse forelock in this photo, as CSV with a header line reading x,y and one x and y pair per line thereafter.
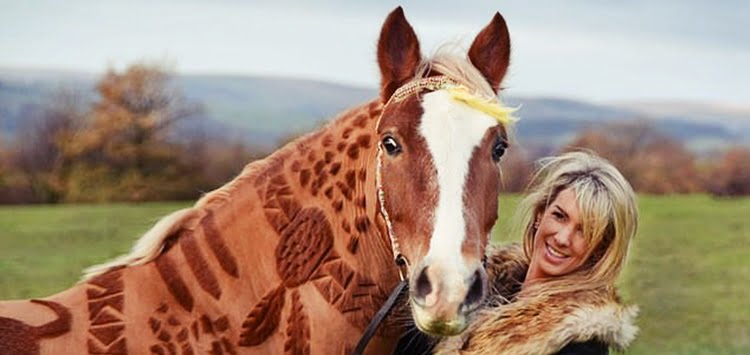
x,y
448,63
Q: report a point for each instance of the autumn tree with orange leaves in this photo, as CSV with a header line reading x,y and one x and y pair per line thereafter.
x,y
731,176
128,151
138,140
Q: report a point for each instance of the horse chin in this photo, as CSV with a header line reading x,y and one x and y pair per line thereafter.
x,y
438,327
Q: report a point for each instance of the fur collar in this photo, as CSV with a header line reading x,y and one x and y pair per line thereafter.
x,y
543,324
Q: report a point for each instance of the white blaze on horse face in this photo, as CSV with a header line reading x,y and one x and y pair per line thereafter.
x,y
452,131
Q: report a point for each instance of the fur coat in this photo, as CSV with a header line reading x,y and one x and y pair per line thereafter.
x,y
540,325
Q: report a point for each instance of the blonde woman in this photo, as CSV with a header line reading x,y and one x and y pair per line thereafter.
x,y
556,294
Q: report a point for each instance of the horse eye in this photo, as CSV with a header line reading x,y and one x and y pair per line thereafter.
x,y
498,150
391,145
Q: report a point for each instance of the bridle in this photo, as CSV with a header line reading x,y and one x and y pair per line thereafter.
x,y
414,87
460,93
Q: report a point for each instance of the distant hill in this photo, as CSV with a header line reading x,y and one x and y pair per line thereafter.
x,y
263,110
271,107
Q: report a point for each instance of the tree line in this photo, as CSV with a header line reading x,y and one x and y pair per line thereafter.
x,y
141,140
652,162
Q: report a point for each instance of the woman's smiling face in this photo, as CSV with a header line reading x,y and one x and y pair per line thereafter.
x,y
559,245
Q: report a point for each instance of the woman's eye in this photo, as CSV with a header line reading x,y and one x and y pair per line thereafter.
x,y
391,146
498,149
558,215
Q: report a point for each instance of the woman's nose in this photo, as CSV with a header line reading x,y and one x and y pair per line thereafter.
x,y
563,236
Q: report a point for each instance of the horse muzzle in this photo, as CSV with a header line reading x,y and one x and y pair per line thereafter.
x,y
442,298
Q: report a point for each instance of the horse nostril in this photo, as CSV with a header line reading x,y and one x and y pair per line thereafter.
x,y
476,291
423,286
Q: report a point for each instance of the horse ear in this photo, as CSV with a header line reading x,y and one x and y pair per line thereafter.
x,y
490,52
398,53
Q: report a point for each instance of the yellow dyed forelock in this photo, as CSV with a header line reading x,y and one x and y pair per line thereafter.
x,y
489,106
460,93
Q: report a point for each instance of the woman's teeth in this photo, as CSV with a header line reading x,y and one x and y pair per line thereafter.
x,y
555,252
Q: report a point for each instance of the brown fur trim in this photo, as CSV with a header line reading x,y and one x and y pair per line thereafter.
x,y
506,270
540,324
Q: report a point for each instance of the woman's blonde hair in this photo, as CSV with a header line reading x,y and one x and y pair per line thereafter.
x,y
608,210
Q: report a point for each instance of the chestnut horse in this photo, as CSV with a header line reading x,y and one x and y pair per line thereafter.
x,y
296,254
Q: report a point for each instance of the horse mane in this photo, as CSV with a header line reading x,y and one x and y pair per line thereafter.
x,y
148,246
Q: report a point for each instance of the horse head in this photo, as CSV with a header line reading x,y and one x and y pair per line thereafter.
x,y
442,136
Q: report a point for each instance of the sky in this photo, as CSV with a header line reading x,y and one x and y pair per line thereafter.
x,y
601,51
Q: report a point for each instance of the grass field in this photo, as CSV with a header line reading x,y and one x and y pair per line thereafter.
x,y
43,249
689,268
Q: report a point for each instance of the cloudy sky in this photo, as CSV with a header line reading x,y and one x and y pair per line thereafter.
x,y
593,50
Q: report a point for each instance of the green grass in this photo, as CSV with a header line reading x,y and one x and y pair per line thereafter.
x,y
689,267
43,249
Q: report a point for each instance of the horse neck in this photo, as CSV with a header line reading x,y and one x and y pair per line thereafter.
x,y
328,175
316,222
